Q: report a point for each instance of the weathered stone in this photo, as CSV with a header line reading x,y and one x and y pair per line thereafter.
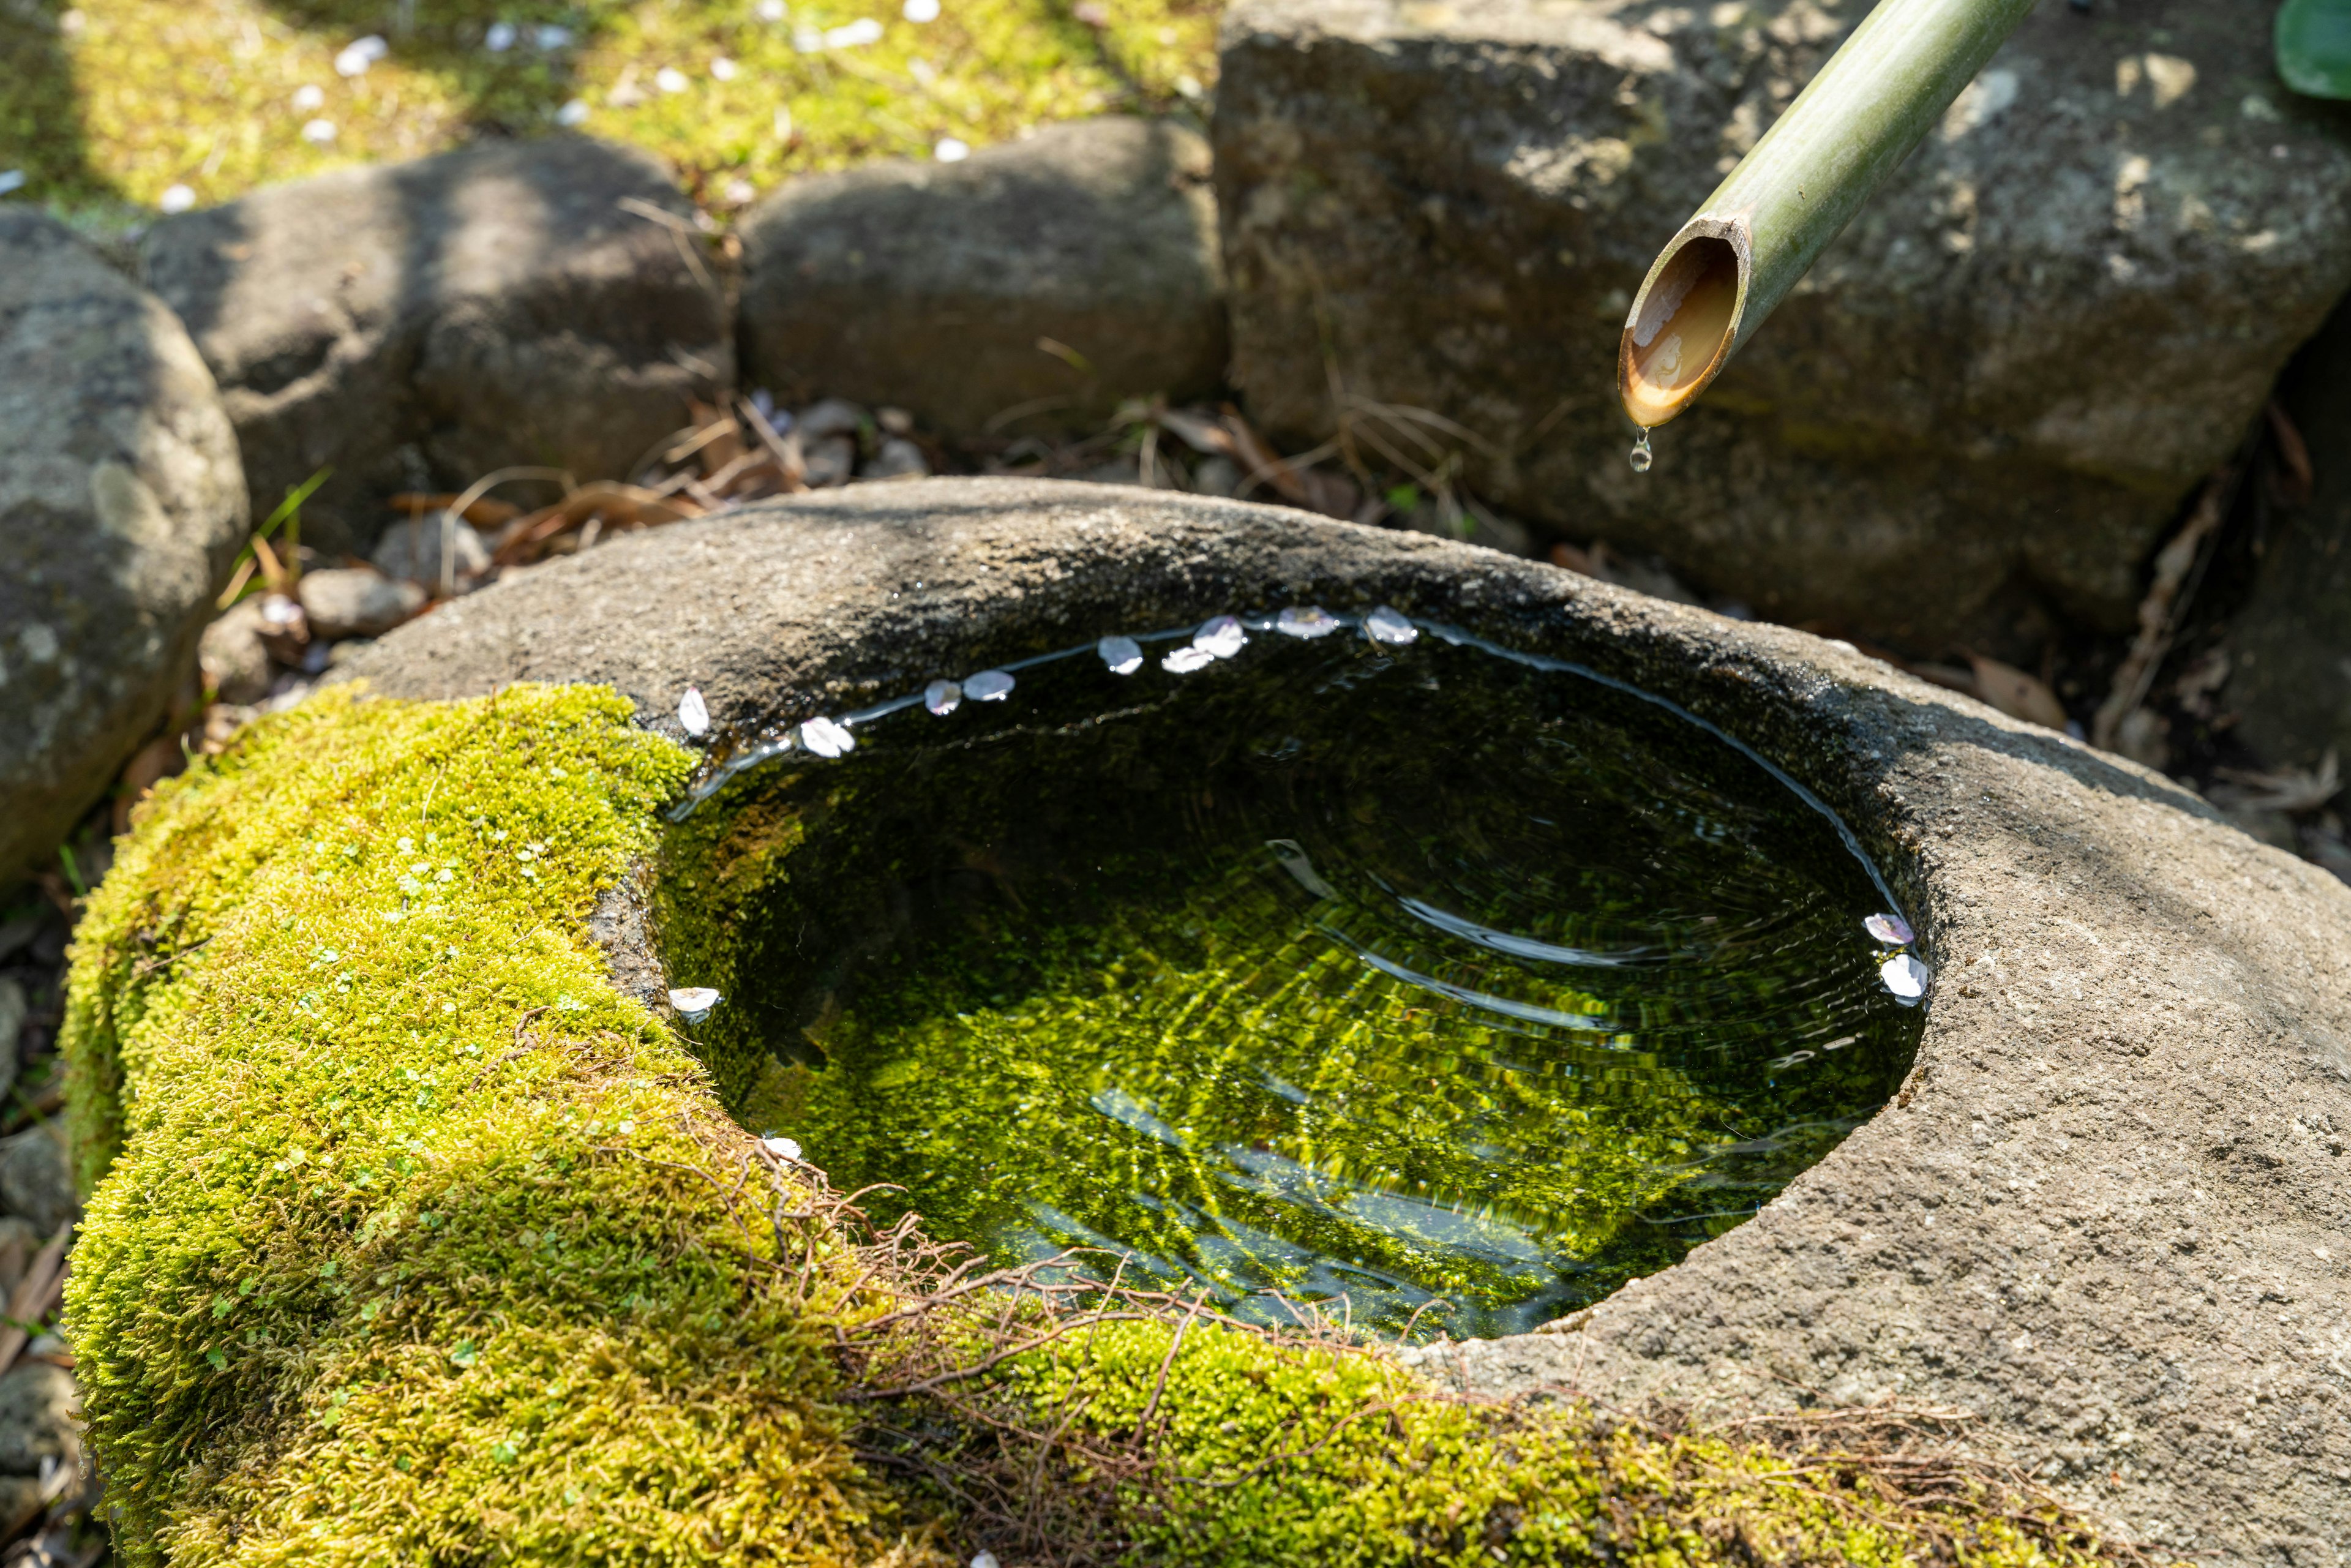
x,y
234,656
2122,1129
1985,402
40,1418
411,551
413,326
1058,275
352,601
122,504
2290,645
36,1177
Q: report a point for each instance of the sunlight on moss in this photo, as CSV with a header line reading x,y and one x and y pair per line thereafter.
x,y
123,100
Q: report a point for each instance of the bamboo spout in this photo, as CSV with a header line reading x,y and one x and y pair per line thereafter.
x,y
1738,256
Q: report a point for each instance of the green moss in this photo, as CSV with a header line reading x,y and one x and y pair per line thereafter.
x,y
404,1251
118,99
413,1241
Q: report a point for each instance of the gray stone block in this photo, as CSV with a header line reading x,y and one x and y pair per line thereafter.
x,y
416,325
930,286
122,504
1990,397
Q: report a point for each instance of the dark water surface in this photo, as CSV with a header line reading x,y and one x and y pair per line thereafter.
x,y
1400,978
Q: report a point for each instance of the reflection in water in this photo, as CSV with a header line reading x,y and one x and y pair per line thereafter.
x,y
1374,970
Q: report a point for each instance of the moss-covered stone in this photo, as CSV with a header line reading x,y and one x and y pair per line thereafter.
x,y
413,1241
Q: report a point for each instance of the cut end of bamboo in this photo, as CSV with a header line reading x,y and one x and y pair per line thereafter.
x,y
1684,323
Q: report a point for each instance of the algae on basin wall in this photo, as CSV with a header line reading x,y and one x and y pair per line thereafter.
x,y
413,1241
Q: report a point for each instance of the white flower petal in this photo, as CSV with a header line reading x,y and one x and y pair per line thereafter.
x,y
943,698
308,97
693,1002
694,714
1308,620
782,1148
669,79
1221,637
1123,654
319,132
176,199
921,10
1184,661
951,150
826,738
1890,929
1905,976
1387,625
989,686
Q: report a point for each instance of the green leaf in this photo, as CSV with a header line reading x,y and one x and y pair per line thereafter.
x,y
465,1355
2313,46
218,1358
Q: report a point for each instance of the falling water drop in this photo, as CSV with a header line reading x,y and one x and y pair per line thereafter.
x,y
1642,456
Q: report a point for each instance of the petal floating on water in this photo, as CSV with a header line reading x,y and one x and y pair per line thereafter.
x,y
1387,625
826,738
1184,661
1905,976
694,1003
1123,654
1890,929
989,686
943,698
694,714
1221,638
1308,620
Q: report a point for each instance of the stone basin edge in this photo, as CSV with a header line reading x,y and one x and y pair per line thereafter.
x,y
2104,1213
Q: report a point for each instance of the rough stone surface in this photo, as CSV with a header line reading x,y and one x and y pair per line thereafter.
x,y
352,601
1987,400
235,659
122,504
929,286
2105,1210
40,1415
2290,645
415,324
36,1177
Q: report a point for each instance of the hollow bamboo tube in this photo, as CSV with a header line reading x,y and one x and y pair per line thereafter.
x,y
1745,247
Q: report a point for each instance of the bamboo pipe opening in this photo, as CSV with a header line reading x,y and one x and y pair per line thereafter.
x,y
1681,328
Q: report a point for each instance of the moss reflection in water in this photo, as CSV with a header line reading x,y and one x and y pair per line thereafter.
x,y
1403,981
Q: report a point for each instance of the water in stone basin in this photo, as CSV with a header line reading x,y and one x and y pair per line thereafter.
x,y
1421,982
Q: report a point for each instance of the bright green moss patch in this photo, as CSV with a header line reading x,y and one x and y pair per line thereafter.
x,y
109,101
413,1243
405,1251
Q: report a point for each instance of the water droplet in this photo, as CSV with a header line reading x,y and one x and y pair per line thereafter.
x,y
1890,929
694,1003
1310,621
943,698
1642,456
1184,661
1123,654
989,686
1387,625
1221,637
694,715
826,738
1906,978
